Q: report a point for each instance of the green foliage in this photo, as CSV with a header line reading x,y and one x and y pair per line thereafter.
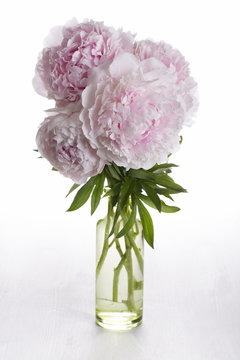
x,y
74,187
127,188
147,223
169,209
128,191
82,195
153,196
97,192
162,167
131,221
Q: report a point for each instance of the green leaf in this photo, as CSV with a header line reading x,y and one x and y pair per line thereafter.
x,y
82,195
114,190
115,219
114,200
165,208
110,180
113,173
165,181
181,140
141,174
54,169
147,223
161,190
164,191
147,201
161,179
74,187
97,192
124,171
116,168
169,209
152,194
129,224
162,166
126,190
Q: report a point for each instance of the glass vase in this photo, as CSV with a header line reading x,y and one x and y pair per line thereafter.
x,y
119,273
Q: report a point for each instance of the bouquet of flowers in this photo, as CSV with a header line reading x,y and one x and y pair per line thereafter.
x,y
120,107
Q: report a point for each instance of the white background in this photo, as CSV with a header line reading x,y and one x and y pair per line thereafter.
x,y
47,256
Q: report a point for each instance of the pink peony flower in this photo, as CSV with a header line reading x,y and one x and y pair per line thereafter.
x,y
175,61
133,111
165,53
61,141
62,70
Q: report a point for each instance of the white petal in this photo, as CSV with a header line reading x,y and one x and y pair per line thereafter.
x,y
54,38
152,69
39,86
88,96
123,64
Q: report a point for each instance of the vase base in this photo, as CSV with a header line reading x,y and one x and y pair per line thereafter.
x,y
119,322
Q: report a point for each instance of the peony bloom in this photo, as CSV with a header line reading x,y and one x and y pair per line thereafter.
x,y
170,57
133,111
61,141
62,70
175,61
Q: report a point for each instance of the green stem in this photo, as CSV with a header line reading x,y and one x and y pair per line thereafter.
x,y
112,242
137,252
118,247
105,244
137,227
126,258
117,271
115,234
129,268
133,244
132,283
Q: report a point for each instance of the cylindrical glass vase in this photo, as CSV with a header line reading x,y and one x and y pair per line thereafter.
x,y
119,275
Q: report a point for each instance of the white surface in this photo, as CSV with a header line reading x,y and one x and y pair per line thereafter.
x,y
192,278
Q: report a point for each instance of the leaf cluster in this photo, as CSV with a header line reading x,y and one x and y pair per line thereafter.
x,y
128,193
